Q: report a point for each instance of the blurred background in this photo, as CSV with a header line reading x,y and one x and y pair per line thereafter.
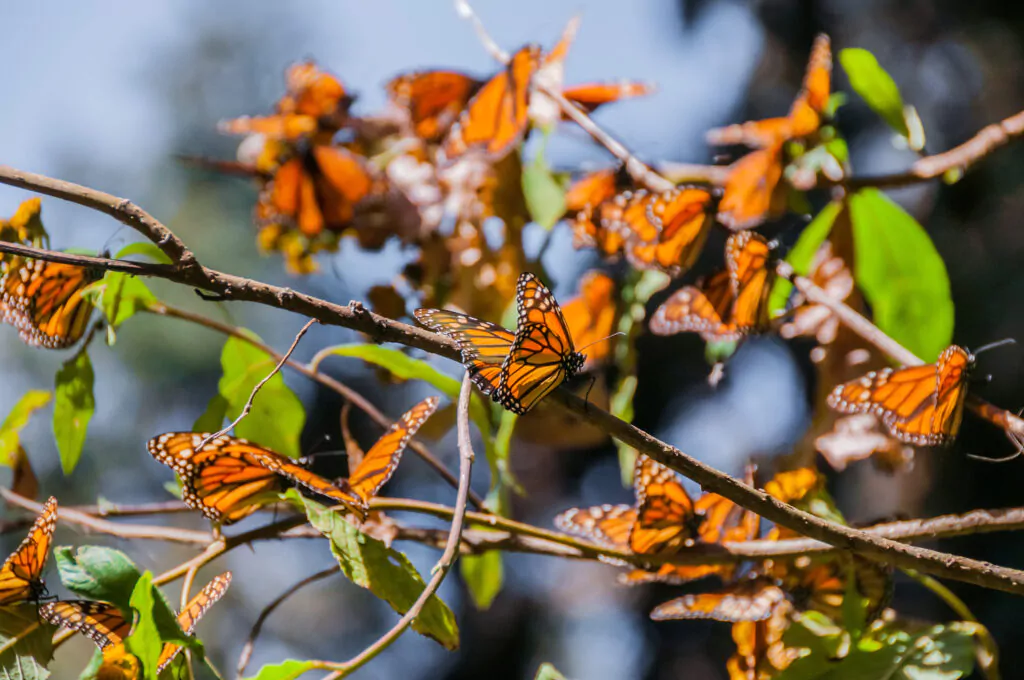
x,y
105,94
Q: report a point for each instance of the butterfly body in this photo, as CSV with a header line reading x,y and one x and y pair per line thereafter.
x,y
921,405
21,574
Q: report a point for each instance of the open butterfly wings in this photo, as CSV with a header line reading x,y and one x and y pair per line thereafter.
x,y
433,99
542,355
380,462
497,116
44,300
21,576
921,405
730,304
483,345
749,600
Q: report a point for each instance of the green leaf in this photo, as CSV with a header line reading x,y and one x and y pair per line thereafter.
x,y
875,86
406,368
213,417
385,572
277,414
484,575
146,249
28,658
901,274
16,420
97,573
145,642
503,453
120,296
802,254
622,408
548,672
545,195
73,408
288,670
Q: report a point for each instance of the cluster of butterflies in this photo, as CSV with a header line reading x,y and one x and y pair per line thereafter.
x,y
107,625
758,598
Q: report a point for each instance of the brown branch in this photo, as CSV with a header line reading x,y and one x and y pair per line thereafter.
x,y
451,550
255,390
121,209
327,381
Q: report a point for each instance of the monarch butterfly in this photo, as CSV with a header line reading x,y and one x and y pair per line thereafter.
x,y
590,96
316,189
496,118
21,576
229,478
433,99
752,599
542,355
44,300
107,626
730,304
315,102
752,192
483,345
591,316
921,405
760,651
594,188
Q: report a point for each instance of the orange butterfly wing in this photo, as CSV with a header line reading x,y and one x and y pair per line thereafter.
x,y
312,92
749,600
484,345
433,99
809,107
21,576
592,189
665,520
747,257
608,525
590,96
291,127
591,316
921,405
101,622
700,309
379,463
684,222
496,117
752,191
44,300
193,611
343,180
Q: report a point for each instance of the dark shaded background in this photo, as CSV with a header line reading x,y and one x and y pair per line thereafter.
x,y
105,94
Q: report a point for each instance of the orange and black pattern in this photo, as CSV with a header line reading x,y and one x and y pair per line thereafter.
x,y
21,576
483,345
45,301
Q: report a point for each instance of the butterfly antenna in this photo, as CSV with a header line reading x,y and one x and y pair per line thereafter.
x,y
586,397
993,345
599,340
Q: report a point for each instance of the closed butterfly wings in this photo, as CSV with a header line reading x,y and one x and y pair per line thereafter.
x,y
193,611
921,405
44,300
21,574
731,303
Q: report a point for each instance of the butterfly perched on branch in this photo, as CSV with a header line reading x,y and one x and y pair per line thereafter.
x,y
730,304
228,479
107,626
45,300
921,405
21,576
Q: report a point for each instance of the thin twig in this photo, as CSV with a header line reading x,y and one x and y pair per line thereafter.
x,y
250,643
252,397
313,373
451,550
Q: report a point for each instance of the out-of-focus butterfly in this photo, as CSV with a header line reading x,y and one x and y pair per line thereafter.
x,y
752,190
44,300
316,189
730,304
315,104
921,405
496,117
107,626
21,576
751,599
543,354
591,316
760,651
229,478
433,99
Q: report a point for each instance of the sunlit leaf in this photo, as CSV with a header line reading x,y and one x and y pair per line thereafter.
x,y
548,672
73,408
144,642
287,670
901,274
483,575
120,296
277,416
385,572
800,257
16,420
97,573
875,86
146,249
28,658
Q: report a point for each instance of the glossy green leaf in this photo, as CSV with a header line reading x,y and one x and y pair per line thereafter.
x,y
802,254
875,86
145,642
73,407
548,672
28,658
545,195
483,575
97,573
404,367
277,414
385,572
16,420
287,670
146,249
901,274
120,296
